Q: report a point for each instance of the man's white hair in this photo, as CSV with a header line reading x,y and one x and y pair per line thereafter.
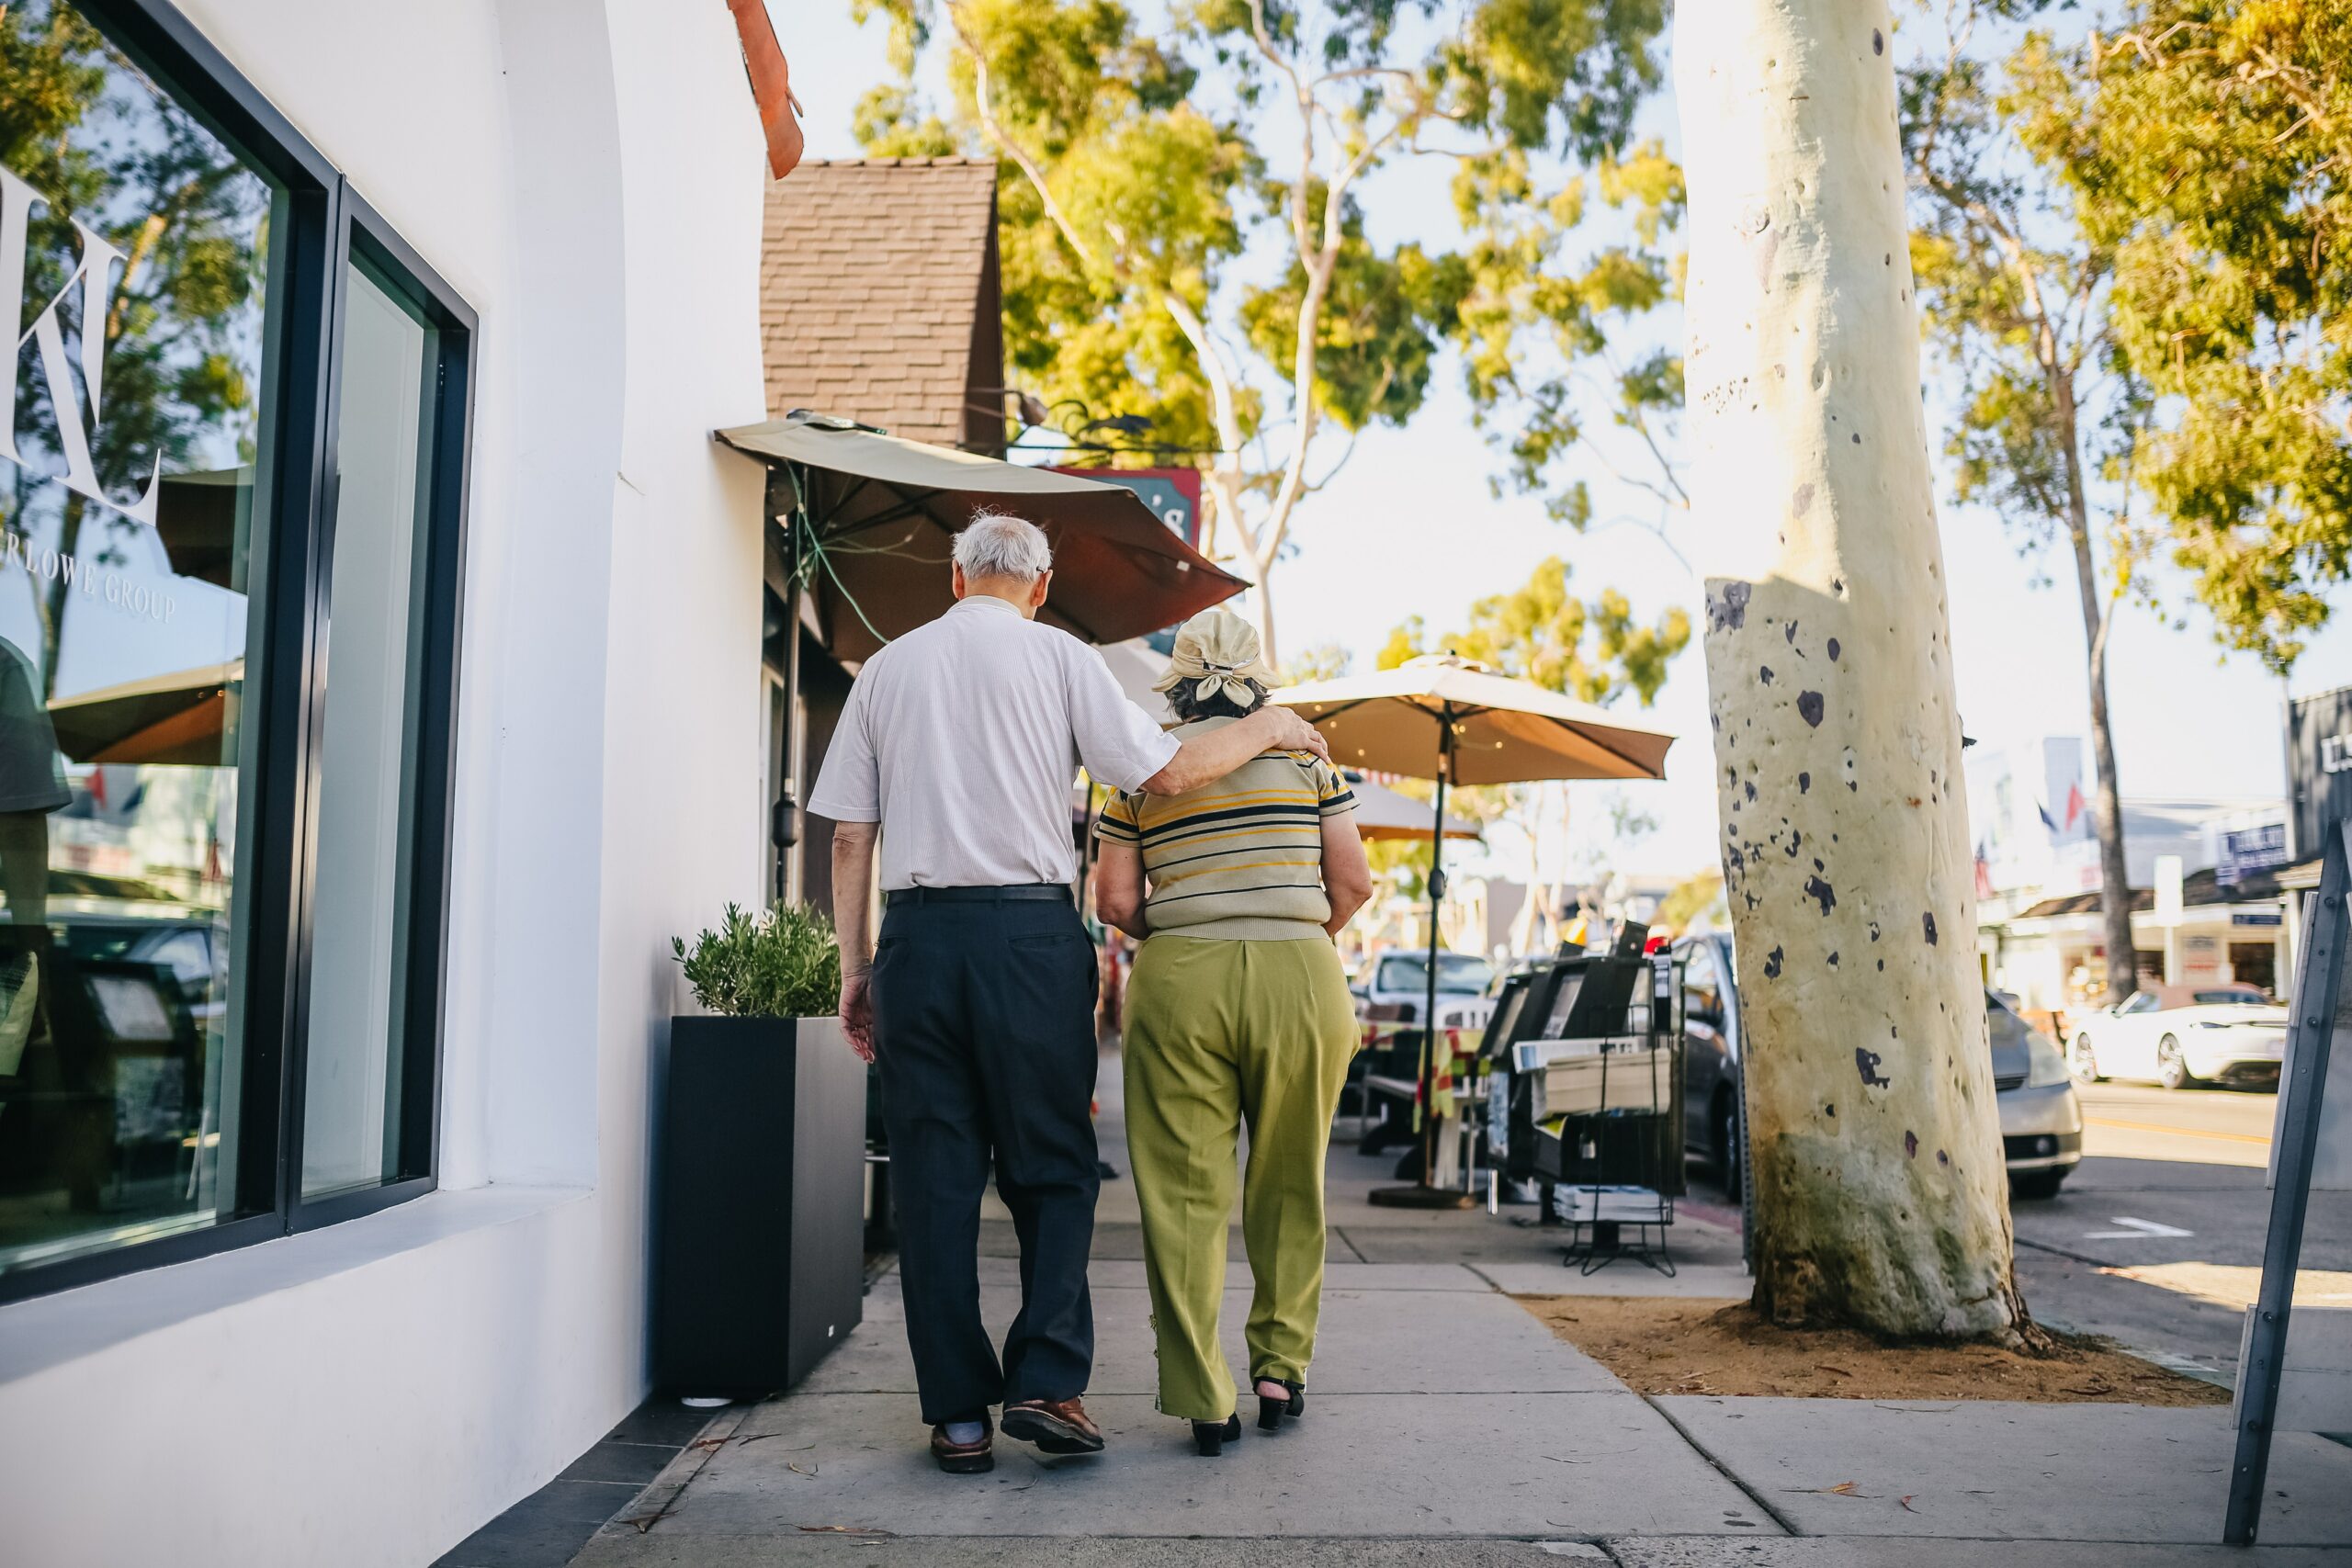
x,y
999,545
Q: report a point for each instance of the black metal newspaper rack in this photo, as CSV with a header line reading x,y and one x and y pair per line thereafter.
x,y
1585,1100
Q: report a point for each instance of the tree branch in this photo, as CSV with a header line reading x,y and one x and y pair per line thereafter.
x,y
1030,170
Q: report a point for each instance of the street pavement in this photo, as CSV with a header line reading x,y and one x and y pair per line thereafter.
x,y
1447,1427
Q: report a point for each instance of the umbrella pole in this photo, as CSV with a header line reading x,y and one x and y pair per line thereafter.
x,y
783,815
1422,1194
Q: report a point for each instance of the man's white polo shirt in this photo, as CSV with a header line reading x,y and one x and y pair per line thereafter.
x,y
961,738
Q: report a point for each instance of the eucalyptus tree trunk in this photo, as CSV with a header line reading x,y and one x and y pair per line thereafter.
x,y
2114,869
1881,1195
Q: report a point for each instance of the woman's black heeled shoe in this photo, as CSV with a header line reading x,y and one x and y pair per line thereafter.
x,y
1272,1411
1210,1437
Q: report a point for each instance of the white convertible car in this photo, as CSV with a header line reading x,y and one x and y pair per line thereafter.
x,y
2180,1036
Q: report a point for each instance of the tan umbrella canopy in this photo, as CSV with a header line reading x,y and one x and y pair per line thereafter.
x,y
175,718
1449,720
1502,731
1384,814
883,512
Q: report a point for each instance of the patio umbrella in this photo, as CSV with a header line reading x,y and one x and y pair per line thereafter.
x,y
1459,723
1385,814
175,718
883,514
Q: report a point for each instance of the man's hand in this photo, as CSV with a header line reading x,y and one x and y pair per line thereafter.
x,y
1208,757
857,1015
1295,734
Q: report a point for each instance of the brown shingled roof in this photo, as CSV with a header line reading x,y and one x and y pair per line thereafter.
x,y
878,296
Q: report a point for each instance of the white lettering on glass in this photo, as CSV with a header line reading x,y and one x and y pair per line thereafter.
x,y
95,272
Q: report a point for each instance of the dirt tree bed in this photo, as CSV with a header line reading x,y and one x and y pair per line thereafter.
x,y
1672,1345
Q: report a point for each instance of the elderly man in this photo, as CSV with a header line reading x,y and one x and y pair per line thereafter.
x,y
956,751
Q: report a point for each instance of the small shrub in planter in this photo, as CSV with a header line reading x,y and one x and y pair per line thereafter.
x,y
780,962
760,1208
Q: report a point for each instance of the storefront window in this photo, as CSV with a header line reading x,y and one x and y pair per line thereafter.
x,y
353,1080
134,248
231,443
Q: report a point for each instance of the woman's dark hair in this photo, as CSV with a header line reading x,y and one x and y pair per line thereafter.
x,y
1216,705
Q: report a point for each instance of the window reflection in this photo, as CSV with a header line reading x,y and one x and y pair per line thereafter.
x,y
126,516
352,1087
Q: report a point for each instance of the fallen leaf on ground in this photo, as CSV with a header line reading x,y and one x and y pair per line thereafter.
x,y
844,1529
1839,1370
797,1470
1906,1501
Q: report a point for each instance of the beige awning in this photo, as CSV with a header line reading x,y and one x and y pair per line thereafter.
x,y
885,511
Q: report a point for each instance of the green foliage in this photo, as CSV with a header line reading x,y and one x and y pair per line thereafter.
x,y
778,962
1592,650
1701,894
1324,662
1538,323
1381,326
2214,156
2131,249
1138,211
2009,285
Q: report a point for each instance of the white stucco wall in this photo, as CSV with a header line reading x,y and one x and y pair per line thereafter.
x,y
588,177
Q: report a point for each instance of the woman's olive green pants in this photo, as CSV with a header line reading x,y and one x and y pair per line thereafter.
x,y
1219,1033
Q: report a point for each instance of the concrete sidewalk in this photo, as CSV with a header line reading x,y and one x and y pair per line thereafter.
x,y
1448,1426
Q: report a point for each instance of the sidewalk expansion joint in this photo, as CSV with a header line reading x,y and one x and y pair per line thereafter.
x,y
1722,1469
662,1494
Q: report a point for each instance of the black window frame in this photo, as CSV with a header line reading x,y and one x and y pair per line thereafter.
x,y
326,222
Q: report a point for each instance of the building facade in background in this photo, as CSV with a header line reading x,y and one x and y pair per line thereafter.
x,y
2319,768
381,693
2039,931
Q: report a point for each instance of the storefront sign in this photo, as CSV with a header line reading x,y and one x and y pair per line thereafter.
x,y
93,277
2249,850
131,595
2256,917
1173,494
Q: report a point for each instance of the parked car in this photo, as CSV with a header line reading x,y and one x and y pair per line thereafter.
x,y
2041,1120
1400,981
2181,1036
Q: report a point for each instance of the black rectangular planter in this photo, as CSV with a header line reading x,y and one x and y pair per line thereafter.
x,y
759,1266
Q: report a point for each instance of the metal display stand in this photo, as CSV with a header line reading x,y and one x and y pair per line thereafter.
x,y
1616,1173
2319,1003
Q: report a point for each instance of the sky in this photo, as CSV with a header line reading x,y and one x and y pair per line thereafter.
x,y
1408,527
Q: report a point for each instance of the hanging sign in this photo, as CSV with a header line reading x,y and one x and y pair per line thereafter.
x,y
1173,494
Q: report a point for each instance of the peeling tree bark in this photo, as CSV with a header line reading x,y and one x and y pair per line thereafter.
x,y
1881,1194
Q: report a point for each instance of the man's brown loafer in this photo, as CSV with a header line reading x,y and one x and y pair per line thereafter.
x,y
964,1459
1055,1425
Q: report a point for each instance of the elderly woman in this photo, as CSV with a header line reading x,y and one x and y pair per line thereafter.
x,y
1237,1010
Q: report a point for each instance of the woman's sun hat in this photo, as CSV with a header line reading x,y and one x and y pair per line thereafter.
x,y
1215,649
